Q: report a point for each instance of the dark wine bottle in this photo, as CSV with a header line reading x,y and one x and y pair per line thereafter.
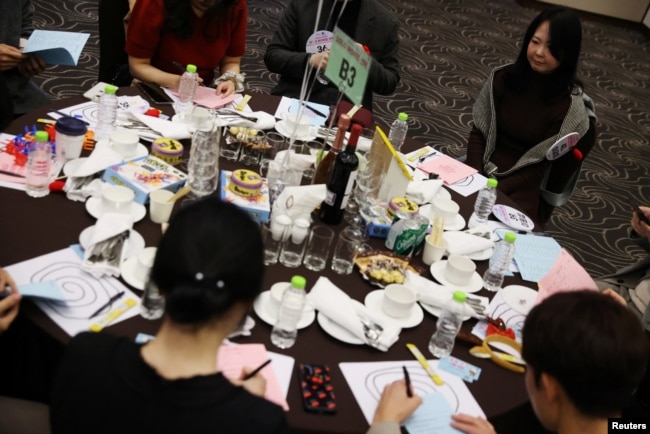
x,y
341,181
324,168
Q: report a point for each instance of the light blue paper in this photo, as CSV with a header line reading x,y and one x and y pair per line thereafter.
x,y
535,255
315,119
49,289
57,48
433,416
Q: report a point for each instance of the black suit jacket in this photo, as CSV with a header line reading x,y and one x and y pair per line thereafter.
x,y
376,28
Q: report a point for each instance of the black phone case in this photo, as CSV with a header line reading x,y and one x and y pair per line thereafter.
x,y
154,92
316,389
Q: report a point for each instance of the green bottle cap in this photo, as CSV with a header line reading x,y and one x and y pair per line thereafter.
x,y
491,182
402,116
110,89
298,282
460,296
41,136
510,237
191,68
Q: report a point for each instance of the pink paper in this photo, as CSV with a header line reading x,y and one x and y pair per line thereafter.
x,y
565,275
207,97
449,169
232,358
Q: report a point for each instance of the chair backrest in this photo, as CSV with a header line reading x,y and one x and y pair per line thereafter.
x,y
113,60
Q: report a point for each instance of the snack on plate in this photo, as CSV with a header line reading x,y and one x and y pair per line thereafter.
x,y
384,268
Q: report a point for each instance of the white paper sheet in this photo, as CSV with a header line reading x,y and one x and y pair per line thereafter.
x,y
368,379
85,294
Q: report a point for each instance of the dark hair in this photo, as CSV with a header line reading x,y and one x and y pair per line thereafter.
x,y
179,18
591,344
565,32
210,257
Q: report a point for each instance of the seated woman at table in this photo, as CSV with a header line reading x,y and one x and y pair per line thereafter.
x,y
209,268
527,106
164,36
604,353
369,23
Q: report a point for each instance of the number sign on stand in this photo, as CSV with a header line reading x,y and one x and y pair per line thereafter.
x,y
348,66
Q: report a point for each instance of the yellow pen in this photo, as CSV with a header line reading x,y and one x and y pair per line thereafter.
x,y
425,364
242,104
113,315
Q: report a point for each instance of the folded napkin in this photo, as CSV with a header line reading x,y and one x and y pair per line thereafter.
x,y
106,249
438,296
463,243
336,305
423,191
81,188
300,162
101,158
299,201
169,129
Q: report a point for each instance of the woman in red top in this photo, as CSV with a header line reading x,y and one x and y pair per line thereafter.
x,y
164,36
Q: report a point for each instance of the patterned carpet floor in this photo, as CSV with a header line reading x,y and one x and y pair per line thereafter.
x,y
447,49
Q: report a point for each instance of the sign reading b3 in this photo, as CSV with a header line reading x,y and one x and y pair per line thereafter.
x,y
348,66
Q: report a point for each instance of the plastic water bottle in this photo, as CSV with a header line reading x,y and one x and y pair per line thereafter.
x,y
153,303
448,325
398,130
285,329
186,90
504,250
203,166
39,165
485,200
107,113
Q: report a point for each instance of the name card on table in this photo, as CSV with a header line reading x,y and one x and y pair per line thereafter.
x,y
348,66
385,159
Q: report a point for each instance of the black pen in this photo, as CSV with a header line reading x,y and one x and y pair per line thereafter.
x,y
408,382
179,66
319,113
539,234
6,292
107,304
256,370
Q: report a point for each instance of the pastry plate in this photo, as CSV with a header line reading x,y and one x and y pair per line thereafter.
x,y
283,128
373,302
94,208
261,308
475,283
383,267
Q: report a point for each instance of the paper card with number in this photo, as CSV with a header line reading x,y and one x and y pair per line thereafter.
x,y
348,66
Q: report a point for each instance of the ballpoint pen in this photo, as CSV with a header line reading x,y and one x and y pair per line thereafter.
x,y
256,370
407,379
107,304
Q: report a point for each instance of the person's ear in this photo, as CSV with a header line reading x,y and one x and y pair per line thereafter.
x,y
550,387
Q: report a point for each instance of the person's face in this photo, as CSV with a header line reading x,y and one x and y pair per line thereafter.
x,y
539,54
539,399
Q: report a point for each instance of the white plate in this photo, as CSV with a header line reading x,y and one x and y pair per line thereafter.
x,y
481,255
438,272
94,208
127,269
136,242
337,332
373,302
436,311
282,128
520,298
261,308
513,217
443,193
70,167
458,223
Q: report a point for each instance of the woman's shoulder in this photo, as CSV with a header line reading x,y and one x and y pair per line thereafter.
x,y
89,343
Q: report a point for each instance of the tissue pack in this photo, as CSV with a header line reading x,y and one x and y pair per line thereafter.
x,y
257,206
144,175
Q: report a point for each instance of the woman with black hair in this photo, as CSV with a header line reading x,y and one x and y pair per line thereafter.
x,y
209,267
525,107
164,36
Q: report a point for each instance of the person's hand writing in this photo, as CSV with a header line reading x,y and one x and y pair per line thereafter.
x,y
471,425
395,405
319,60
32,65
8,305
10,57
255,385
225,88
641,228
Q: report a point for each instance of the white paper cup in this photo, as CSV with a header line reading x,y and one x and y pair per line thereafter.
x,y
277,291
117,198
398,300
124,143
70,135
160,209
432,252
144,263
299,230
459,269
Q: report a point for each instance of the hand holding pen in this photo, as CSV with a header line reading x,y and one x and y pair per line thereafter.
x,y
251,381
395,404
9,300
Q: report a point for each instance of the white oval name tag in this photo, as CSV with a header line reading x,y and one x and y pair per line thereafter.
x,y
319,42
562,146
